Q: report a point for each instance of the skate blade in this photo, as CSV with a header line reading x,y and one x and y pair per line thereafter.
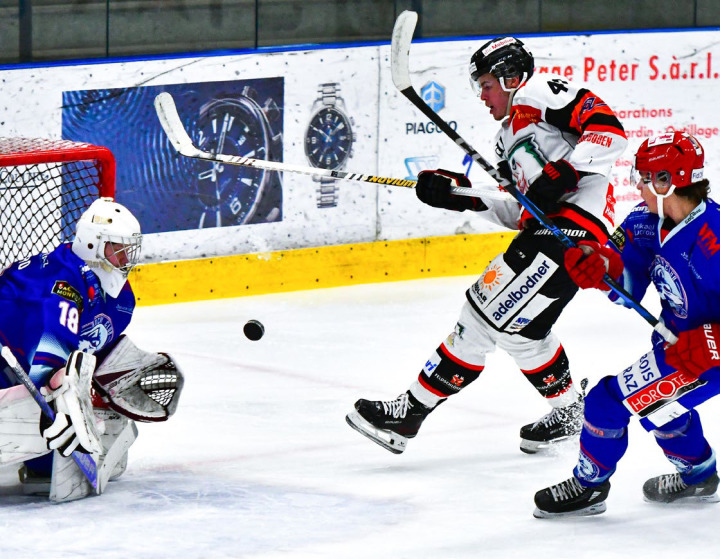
x,y
691,499
387,439
597,508
533,447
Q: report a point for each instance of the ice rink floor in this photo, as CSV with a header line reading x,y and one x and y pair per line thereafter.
x,y
259,462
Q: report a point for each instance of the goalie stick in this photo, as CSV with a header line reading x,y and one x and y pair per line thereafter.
x,y
84,461
400,69
181,141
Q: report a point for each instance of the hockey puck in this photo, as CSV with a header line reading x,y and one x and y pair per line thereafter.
x,y
253,330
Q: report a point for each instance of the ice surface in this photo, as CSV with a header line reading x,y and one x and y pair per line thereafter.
x,y
258,461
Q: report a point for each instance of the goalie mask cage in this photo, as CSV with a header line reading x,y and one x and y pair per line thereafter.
x,y
45,186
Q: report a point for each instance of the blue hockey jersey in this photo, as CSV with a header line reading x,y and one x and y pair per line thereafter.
x,y
52,304
683,263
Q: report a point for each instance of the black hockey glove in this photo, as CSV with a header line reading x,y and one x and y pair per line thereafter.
x,y
557,178
433,188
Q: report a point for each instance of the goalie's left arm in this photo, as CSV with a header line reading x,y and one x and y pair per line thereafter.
x,y
138,384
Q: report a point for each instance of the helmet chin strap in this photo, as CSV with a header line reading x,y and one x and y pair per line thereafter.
x,y
660,198
512,90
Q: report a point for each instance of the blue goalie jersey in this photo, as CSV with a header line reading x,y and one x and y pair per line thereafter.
x,y
683,263
52,304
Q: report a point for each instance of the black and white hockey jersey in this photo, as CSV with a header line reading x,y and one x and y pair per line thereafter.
x,y
551,119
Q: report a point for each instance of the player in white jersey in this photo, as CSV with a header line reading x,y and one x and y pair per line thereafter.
x,y
558,142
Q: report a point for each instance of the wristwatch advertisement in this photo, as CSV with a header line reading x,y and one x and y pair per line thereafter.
x,y
328,140
169,192
231,194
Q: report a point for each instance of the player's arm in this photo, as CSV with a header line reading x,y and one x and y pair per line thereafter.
x,y
589,262
601,136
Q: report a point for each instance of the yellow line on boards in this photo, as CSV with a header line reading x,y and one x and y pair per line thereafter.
x,y
312,268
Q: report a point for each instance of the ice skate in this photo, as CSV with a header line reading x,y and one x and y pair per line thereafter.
x,y
669,488
390,424
34,482
570,498
556,426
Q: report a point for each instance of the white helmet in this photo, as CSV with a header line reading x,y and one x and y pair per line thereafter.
x,y
108,239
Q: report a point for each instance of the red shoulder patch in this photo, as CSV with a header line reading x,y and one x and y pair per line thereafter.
x,y
524,115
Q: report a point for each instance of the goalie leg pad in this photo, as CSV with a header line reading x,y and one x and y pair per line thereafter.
x,y
138,384
20,438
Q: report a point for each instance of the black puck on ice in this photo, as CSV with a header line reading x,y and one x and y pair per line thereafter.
x,y
253,330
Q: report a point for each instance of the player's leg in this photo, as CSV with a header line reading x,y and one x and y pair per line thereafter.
x,y
545,365
455,364
685,446
521,295
662,398
603,442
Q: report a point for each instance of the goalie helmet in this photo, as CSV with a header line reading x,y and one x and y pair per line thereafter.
x,y
672,160
108,239
503,57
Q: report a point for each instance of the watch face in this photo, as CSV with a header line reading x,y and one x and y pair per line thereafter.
x,y
328,139
228,193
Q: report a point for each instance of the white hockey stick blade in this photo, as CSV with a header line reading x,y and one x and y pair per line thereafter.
x,y
400,49
173,126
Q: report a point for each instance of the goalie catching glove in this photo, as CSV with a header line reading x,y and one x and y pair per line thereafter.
x,y
68,394
137,384
588,263
434,189
696,351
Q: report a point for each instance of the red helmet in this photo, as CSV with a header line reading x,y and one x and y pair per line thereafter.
x,y
674,159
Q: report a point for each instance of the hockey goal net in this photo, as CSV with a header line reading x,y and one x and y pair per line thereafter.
x,y
45,185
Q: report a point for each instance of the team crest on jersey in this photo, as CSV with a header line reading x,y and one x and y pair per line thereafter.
x,y
667,282
68,292
96,334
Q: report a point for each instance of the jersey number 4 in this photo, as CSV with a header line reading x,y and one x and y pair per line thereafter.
x,y
557,85
69,317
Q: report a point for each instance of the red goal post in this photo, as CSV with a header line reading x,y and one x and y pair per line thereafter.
x,y
45,185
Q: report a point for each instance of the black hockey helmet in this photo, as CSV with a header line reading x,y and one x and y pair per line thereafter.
x,y
503,57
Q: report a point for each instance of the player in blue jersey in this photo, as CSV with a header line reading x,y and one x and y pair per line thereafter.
x,y
58,311
671,240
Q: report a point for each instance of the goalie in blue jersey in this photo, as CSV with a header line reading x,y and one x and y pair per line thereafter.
x,y
58,311
670,240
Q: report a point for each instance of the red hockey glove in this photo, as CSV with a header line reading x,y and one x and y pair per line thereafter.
x,y
588,263
557,178
696,350
433,189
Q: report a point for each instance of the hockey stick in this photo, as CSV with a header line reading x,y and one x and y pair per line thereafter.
x,y
400,68
84,461
181,141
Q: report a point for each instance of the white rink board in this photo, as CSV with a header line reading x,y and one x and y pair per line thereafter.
x,y
655,81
